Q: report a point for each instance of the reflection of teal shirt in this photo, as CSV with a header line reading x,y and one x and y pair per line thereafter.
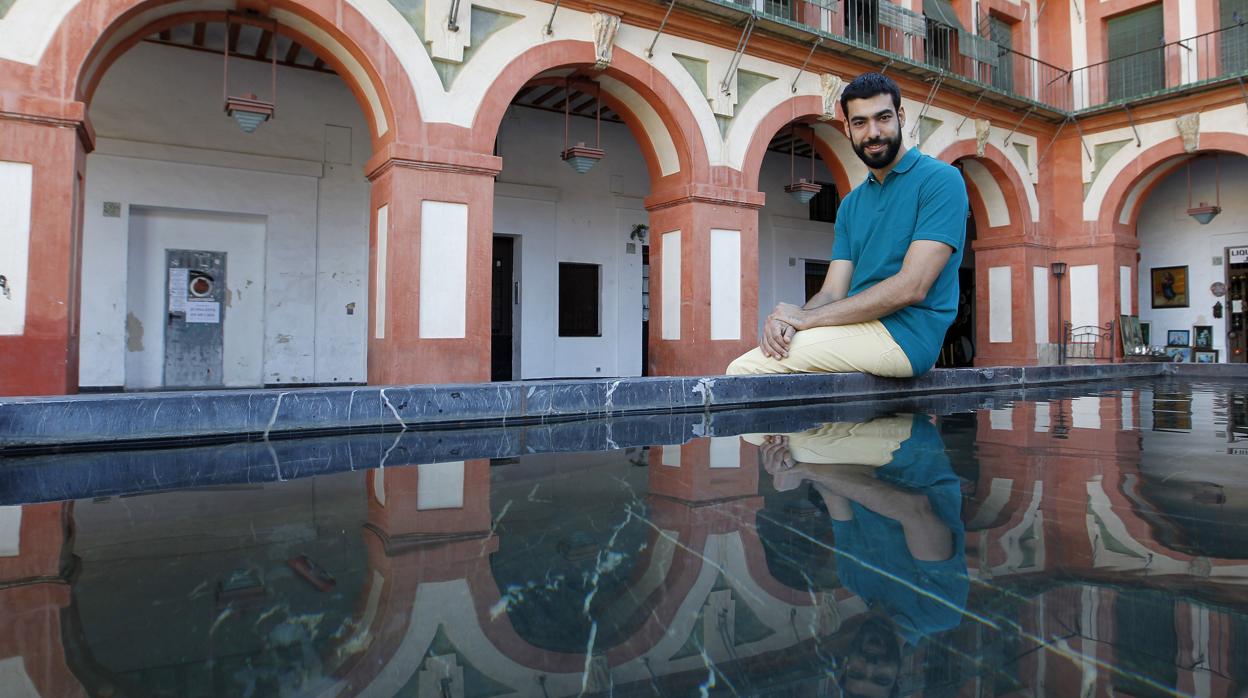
x,y
873,561
922,198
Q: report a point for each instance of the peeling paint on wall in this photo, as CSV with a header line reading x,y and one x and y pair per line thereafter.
x,y
134,333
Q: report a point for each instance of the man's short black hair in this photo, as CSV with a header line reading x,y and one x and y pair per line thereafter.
x,y
868,85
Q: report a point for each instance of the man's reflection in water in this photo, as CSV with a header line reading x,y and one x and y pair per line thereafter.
x,y
894,503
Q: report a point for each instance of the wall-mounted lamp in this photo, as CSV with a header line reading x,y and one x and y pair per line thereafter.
x,y
249,111
1204,212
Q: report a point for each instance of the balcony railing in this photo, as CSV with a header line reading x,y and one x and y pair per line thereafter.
x,y
896,35
1217,55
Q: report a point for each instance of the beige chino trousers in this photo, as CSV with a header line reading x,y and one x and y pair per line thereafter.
x,y
863,347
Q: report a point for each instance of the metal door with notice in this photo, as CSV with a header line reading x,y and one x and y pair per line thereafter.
x,y
195,325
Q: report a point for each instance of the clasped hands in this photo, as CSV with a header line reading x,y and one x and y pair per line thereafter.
x,y
778,330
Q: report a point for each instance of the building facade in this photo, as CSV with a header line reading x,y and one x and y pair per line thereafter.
x,y
404,216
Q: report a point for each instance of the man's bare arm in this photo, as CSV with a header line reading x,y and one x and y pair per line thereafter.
x,y
924,261
835,284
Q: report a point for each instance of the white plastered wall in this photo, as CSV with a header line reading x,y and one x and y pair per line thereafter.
x,y
301,172
557,216
1169,237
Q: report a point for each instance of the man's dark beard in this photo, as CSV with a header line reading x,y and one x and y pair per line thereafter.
x,y
885,157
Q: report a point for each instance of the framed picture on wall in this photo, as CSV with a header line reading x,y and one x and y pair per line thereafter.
x,y
1180,355
1178,338
1205,356
1146,334
1169,287
1202,336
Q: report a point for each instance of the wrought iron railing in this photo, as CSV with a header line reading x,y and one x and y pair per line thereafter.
x,y
1217,55
897,34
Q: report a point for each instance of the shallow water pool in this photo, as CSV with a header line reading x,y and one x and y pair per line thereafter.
x,y
1072,541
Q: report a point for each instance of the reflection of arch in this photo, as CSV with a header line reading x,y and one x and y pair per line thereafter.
x,y
997,183
1126,194
633,88
829,142
92,40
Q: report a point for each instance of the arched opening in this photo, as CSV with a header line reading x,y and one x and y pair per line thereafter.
x,y
233,258
1192,288
571,267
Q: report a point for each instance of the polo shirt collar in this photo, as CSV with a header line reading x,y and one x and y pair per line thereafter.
x,y
907,161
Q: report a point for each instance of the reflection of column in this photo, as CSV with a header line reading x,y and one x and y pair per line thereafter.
x,y
432,226
427,523
704,256
705,470
34,591
41,170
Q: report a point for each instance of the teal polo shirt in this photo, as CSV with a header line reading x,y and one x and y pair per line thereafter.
x,y
922,198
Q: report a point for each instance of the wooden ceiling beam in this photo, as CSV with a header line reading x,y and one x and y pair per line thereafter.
x,y
201,29
233,38
266,38
292,53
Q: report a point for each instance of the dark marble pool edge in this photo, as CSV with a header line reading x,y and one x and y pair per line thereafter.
x,y
173,417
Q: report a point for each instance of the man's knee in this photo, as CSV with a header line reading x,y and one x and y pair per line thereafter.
x,y
748,363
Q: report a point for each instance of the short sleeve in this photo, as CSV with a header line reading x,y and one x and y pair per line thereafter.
x,y
942,209
840,243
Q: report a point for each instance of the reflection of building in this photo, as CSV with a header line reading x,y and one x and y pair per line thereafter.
x,y
1067,513
404,217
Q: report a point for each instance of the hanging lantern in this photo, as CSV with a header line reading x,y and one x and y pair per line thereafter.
x,y
249,111
1204,212
581,157
801,189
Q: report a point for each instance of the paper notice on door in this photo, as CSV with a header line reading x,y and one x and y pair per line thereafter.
x,y
207,312
177,290
1237,306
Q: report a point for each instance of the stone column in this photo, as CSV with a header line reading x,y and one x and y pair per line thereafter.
x,y
704,279
1015,311
429,252
42,165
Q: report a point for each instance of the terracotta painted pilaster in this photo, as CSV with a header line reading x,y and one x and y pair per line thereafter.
x,y
695,215
43,360
402,184
1020,257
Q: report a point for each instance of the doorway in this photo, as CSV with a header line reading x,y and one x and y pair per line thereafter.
x,y
1236,309
505,298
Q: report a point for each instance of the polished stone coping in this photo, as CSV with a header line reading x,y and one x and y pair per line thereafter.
x,y
47,477
178,418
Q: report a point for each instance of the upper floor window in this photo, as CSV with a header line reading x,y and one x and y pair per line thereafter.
x,y
1137,61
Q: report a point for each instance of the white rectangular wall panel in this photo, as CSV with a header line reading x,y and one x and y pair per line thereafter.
x,y
725,284
1042,417
10,531
440,486
443,270
670,456
670,285
1084,296
16,181
1085,412
383,249
1000,305
1001,420
1040,302
1124,289
726,452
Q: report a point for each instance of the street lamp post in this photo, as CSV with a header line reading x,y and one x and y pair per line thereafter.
x,y
1059,270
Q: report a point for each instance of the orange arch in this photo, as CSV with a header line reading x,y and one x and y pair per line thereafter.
x,y
792,109
1158,155
82,41
637,74
1006,176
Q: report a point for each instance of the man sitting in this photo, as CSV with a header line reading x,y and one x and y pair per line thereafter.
x,y
892,287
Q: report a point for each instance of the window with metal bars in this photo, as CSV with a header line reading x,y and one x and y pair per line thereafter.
x,y
1233,40
1001,32
1137,61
